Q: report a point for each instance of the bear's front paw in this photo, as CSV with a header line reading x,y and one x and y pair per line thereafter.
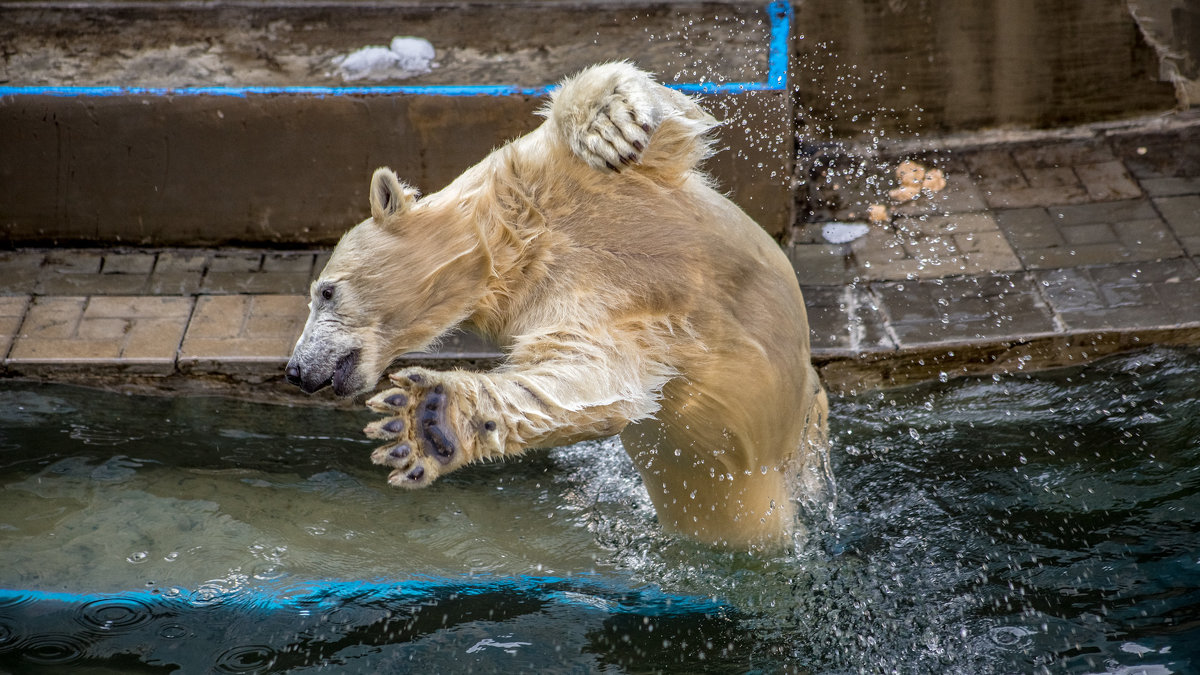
x,y
423,443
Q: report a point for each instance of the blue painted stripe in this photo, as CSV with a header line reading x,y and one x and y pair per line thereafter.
x,y
316,92
780,50
779,13
583,591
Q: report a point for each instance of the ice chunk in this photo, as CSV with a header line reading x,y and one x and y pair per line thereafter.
x,y
843,233
413,54
405,57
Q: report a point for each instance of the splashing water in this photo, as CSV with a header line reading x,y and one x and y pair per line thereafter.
x,y
1021,524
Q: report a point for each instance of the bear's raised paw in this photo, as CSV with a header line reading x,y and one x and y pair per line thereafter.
x,y
608,114
419,428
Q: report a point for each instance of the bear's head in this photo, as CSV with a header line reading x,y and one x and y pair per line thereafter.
x,y
394,284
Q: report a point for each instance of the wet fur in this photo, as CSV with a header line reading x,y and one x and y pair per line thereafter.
x,y
630,296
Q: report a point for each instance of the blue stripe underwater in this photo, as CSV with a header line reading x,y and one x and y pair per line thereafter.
x,y
582,591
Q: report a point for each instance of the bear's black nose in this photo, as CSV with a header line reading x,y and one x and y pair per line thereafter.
x,y
293,374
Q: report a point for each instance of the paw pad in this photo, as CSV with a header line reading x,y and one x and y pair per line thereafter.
x,y
422,441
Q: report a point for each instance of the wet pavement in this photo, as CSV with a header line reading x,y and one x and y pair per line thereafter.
x,y
1045,249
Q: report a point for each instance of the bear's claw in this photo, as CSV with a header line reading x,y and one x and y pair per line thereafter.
x,y
616,132
422,443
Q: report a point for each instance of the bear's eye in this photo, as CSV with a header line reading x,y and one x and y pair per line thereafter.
x,y
327,292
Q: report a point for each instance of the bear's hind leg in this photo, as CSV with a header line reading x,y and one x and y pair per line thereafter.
x,y
610,114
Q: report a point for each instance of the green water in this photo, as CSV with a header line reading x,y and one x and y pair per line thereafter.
x,y
1022,524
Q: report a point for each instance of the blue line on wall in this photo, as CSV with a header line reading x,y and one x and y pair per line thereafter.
x,y
779,13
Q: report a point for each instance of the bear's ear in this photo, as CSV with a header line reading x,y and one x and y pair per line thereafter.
x,y
389,196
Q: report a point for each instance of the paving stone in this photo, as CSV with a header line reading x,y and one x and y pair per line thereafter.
x,y
1181,213
1056,177
988,307
934,251
1029,228
1164,154
130,334
985,253
218,317
1103,212
102,329
1182,298
80,272
138,307
1134,296
52,318
181,261
934,246
1096,233
1074,255
298,263
1069,289
287,273
237,333
1062,154
948,224
1148,239
818,264
19,271
1191,245
844,319
125,262
1108,181
235,262
74,261
55,282
1036,196
178,273
995,168
34,355
12,311
1156,273
255,282
1169,187
175,282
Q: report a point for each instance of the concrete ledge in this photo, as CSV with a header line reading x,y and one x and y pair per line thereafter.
x,y
846,373
872,335
254,148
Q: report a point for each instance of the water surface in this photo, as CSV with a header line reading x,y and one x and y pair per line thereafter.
x,y
1018,524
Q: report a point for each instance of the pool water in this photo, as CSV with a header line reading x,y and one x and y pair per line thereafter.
x,y
1045,523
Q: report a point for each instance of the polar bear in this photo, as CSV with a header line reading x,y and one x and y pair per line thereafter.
x,y
629,296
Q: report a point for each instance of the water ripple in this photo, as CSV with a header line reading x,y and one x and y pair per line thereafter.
x,y
10,599
246,659
114,615
55,649
10,634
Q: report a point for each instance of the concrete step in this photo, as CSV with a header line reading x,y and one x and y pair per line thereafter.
x,y
183,123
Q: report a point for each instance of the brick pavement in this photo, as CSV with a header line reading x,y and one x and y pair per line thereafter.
x,y
1061,238
1042,251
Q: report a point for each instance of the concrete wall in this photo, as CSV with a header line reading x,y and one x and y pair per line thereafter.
x,y
291,170
953,65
